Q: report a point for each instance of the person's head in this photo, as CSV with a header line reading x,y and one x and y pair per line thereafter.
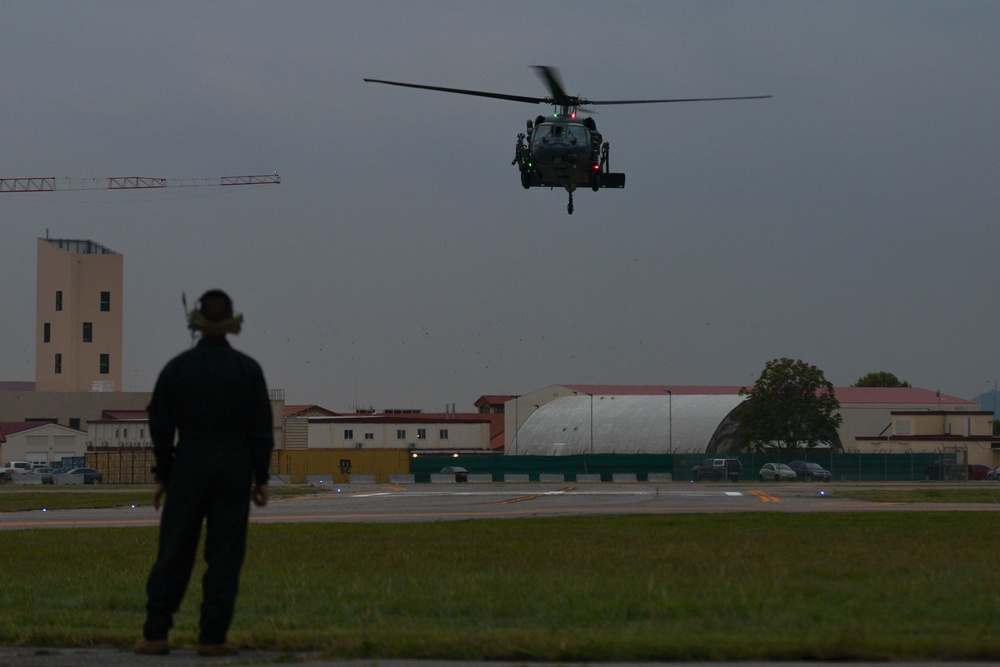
x,y
214,316
215,305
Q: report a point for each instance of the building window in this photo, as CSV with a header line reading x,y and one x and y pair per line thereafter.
x,y
88,332
46,333
59,300
105,364
348,434
74,422
58,363
443,434
421,434
400,434
105,302
369,435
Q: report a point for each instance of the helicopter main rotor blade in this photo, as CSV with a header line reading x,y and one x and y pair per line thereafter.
x,y
550,75
689,99
462,91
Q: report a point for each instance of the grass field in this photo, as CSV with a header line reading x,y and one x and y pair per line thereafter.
x,y
728,586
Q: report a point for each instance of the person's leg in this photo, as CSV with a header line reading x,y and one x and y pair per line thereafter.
x,y
180,529
225,548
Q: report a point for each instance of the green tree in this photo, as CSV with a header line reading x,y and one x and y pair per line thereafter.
x,y
880,379
792,406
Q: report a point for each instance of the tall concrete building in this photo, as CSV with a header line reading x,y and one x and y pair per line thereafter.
x,y
78,341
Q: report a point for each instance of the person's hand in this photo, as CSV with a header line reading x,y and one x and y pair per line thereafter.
x,y
158,495
261,495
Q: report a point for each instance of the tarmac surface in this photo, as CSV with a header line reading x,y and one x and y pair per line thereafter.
x,y
455,502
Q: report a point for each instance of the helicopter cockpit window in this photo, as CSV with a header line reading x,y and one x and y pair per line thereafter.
x,y
543,131
559,132
577,133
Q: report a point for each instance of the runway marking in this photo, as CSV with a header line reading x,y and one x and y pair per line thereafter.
x,y
519,500
765,497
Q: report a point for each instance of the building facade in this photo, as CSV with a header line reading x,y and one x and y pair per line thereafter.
x,y
40,442
78,338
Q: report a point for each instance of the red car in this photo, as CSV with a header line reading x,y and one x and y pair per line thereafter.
x,y
978,471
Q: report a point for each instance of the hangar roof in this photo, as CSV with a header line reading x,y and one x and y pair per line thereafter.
x,y
624,424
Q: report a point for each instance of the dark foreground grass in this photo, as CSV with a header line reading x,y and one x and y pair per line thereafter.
x,y
746,586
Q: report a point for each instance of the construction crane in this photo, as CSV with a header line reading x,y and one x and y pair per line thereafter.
x,y
60,184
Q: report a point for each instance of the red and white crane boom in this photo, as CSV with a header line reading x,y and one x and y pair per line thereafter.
x,y
60,183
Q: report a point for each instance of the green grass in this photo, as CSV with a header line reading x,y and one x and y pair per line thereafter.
x,y
670,587
926,495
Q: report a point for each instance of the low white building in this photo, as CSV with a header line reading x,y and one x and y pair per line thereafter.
x,y
40,442
447,433
119,429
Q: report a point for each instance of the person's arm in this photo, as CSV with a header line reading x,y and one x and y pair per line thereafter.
x,y
261,432
162,428
158,493
261,495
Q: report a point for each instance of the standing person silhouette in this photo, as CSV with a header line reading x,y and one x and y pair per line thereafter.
x,y
215,400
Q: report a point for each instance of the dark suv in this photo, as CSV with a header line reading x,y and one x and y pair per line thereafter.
x,y
810,471
717,470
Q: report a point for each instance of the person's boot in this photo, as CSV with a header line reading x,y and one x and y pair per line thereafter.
x,y
216,650
152,647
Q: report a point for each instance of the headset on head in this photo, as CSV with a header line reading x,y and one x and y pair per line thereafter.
x,y
197,322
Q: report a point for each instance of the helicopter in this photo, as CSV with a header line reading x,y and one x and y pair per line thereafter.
x,y
562,150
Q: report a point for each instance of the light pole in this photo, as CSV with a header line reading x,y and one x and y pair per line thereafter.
x,y
994,401
670,420
516,425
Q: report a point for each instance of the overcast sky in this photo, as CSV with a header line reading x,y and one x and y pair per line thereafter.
x,y
851,221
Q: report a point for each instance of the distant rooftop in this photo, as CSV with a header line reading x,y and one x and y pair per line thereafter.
x,y
17,385
81,246
846,395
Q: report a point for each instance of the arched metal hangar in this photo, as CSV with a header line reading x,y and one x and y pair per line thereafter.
x,y
629,424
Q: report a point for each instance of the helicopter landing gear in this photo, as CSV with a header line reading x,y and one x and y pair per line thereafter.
x,y
569,208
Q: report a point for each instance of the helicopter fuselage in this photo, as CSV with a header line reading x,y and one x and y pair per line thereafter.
x,y
564,152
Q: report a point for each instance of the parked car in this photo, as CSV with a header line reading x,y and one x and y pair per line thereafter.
x,y
944,469
809,471
49,478
978,471
41,470
90,476
717,470
994,474
17,467
460,473
776,472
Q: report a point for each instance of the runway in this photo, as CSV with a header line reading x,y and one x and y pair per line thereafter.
x,y
458,502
